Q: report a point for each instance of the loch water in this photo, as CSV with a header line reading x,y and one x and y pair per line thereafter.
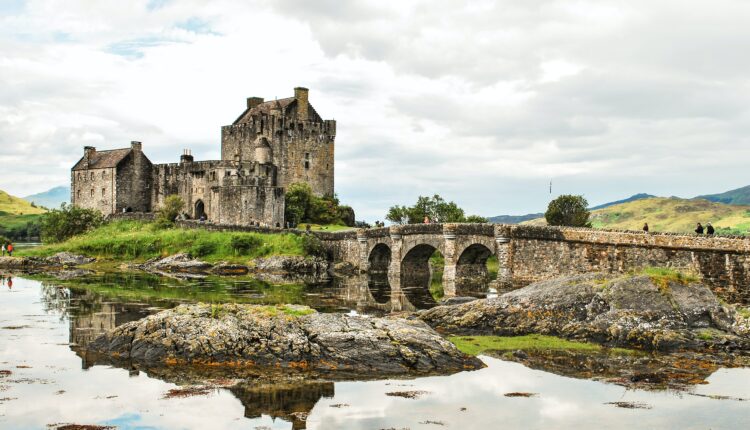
x,y
45,380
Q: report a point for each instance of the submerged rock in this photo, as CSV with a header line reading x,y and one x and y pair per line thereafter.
x,y
631,311
230,269
286,336
179,265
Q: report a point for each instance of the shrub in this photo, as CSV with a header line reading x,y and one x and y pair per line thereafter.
x,y
313,246
171,208
68,221
201,248
244,244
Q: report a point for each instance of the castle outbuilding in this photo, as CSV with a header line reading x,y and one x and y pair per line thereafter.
x,y
270,146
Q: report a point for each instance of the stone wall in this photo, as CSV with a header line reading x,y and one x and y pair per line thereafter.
x,y
94,189
134,182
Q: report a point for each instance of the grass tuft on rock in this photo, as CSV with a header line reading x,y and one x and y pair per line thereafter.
x,y
475,345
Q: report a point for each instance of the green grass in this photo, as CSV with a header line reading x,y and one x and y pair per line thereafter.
x,y
670,215
663,275
326,227
11,205
475,345
134,241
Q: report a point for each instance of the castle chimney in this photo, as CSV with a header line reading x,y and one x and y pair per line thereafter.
x,y
186,157
136,146
301,94
89,152
254,101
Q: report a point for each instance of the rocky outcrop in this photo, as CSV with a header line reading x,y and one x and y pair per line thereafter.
x,y
179,265
282,268
286,336
59,261
631,311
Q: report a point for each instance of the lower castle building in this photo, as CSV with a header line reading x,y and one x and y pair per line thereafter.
x,y
270,146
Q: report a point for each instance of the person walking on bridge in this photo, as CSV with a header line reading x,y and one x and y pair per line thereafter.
x,y
645,227
10,249
699,229
710,229
3,250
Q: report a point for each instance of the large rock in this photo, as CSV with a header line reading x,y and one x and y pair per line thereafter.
x,y
633,311
286,269
286,336
69,259
179,265
58,261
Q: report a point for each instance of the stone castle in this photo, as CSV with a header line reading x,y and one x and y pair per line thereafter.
x,y
271,145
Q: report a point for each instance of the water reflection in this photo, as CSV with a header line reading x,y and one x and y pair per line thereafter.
x,y
43,329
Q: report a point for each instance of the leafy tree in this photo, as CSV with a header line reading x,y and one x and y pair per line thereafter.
x,y
476,219
303,206
68,221
435,208
568,210
169,211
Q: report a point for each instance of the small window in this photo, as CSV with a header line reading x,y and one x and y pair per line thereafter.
x,y
78,193
92,192
79,176
307,155
104,174
92,176
104,192
307,164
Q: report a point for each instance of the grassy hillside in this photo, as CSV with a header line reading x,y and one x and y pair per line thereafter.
x,y
11,205
740,196
670,215
138,241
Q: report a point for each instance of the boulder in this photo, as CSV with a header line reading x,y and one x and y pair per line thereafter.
x,y
179,265
230,269
631,311
69,259
283,264
284,336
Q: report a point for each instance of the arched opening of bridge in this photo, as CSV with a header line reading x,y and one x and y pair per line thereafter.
x,y
200,209
476,268
421,276
377,279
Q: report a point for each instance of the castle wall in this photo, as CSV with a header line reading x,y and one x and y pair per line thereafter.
x,y
94,189
133,184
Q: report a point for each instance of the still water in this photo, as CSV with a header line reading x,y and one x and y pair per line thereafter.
x,y
44,381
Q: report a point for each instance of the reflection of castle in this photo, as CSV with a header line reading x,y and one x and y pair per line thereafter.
x,y
288,402
270,146
95,317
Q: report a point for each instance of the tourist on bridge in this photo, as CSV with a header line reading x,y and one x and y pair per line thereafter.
x,y
426,219
3,250
709,229
699,229
645,227
10,249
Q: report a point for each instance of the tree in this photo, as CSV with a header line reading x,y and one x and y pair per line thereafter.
x,y
303,206
171,208
476,219
568,210
435,208
298,197
68,221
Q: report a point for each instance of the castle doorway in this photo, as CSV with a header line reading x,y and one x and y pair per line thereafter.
x,y
200,209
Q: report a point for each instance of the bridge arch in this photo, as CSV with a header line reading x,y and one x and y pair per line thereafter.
x,y
472,276
379,261
416,275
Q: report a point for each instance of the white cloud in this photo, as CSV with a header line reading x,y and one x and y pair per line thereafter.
x,y
482,102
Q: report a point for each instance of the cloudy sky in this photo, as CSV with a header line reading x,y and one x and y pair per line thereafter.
x,y
483,102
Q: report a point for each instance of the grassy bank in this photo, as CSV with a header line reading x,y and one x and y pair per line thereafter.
x,y
138,241
475,345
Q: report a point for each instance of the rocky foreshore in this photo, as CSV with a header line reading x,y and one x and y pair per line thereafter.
x,y
59,261
630,311
283,336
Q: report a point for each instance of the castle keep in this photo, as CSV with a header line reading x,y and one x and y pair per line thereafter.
x,y
270,146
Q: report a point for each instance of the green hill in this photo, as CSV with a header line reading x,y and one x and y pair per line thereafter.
x,y
670,215
18,218
740,196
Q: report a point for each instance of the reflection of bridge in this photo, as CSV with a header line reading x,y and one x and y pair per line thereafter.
x,y
526,254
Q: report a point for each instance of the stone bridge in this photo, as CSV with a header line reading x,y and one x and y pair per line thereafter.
x,y
399,255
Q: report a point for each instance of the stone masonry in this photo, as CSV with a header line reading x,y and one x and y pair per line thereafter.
x,y
270,146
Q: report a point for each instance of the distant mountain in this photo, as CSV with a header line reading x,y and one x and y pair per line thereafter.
x,y
51,198
740,196
633,198
513,219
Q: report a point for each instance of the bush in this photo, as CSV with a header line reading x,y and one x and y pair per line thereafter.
x,y
568,210
244,244
302,206
169,211
68,221
202,248
313,246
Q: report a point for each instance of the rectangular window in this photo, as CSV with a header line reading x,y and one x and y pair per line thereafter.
x,y
307,155
92,192
104,192
307,164
92,176
78,194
